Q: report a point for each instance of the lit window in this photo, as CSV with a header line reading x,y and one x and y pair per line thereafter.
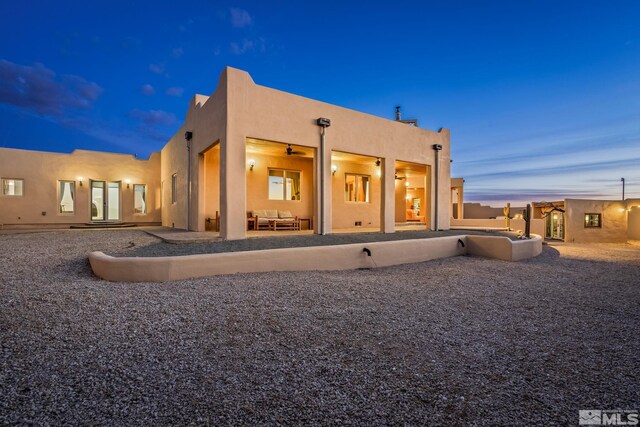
x,y
139,199
12,187
592,220
284,184
356,188
174,188
66,196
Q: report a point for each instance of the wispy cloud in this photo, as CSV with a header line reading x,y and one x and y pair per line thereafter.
x,y
156,68
240,48
147,90
174,91
581,162
177,52
240,18
248,45
582,168
154,117
39,90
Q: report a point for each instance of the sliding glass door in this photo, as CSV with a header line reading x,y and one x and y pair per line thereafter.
x,y
105,201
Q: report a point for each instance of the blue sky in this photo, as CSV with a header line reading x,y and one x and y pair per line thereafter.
x,y
542,98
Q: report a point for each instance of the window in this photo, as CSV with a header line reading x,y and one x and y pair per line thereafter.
x,y
592,220
12,187
66,197
284,184
356,188
139,199
174,189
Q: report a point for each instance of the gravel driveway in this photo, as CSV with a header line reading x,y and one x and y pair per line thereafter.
x,y
459,341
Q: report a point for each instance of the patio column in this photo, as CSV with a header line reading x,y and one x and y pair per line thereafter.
x,y
233,187
388,197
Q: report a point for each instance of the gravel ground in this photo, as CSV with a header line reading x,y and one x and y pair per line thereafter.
x,y
459,341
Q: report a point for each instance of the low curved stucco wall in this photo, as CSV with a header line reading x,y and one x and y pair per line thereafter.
x,y
503,248
337,257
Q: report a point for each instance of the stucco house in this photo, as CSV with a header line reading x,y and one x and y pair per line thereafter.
x,y
590,221
245,154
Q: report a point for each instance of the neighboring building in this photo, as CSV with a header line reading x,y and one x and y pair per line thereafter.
x,y
245,148
472,210
590,221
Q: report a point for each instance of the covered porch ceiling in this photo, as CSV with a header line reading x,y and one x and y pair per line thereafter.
x,y
278,149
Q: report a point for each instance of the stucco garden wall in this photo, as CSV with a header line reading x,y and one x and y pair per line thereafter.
x,y
336,257
42,171
537,225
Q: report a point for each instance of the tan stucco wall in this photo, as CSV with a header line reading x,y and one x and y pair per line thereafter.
x,y
614,221
41,172
174,159
338,257
240,109
206,118
633,223
504,248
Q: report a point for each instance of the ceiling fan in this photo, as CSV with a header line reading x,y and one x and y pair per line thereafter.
x,y
290,151
400,178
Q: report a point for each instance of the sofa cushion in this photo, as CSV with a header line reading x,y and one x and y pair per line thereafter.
x,y
259,213
272,213
284,214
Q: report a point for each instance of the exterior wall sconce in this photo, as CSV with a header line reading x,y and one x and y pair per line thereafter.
x,y
334,169
252,163
128,182
80,179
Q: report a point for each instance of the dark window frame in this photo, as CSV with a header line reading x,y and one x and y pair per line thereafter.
x,y
589,223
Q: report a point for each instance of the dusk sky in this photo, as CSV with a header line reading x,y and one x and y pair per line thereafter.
x,y
542,98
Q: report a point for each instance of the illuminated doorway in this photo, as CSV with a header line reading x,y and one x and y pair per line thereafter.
x,y
105,201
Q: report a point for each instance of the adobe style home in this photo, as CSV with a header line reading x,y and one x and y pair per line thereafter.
x,y
247,157
590,221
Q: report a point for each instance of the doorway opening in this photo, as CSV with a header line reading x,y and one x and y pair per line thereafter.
x,y
210,168
413,194
356,193
280,187
555,226
105,201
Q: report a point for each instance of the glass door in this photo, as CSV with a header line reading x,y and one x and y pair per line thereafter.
x,y
105,201
113,201
557,225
